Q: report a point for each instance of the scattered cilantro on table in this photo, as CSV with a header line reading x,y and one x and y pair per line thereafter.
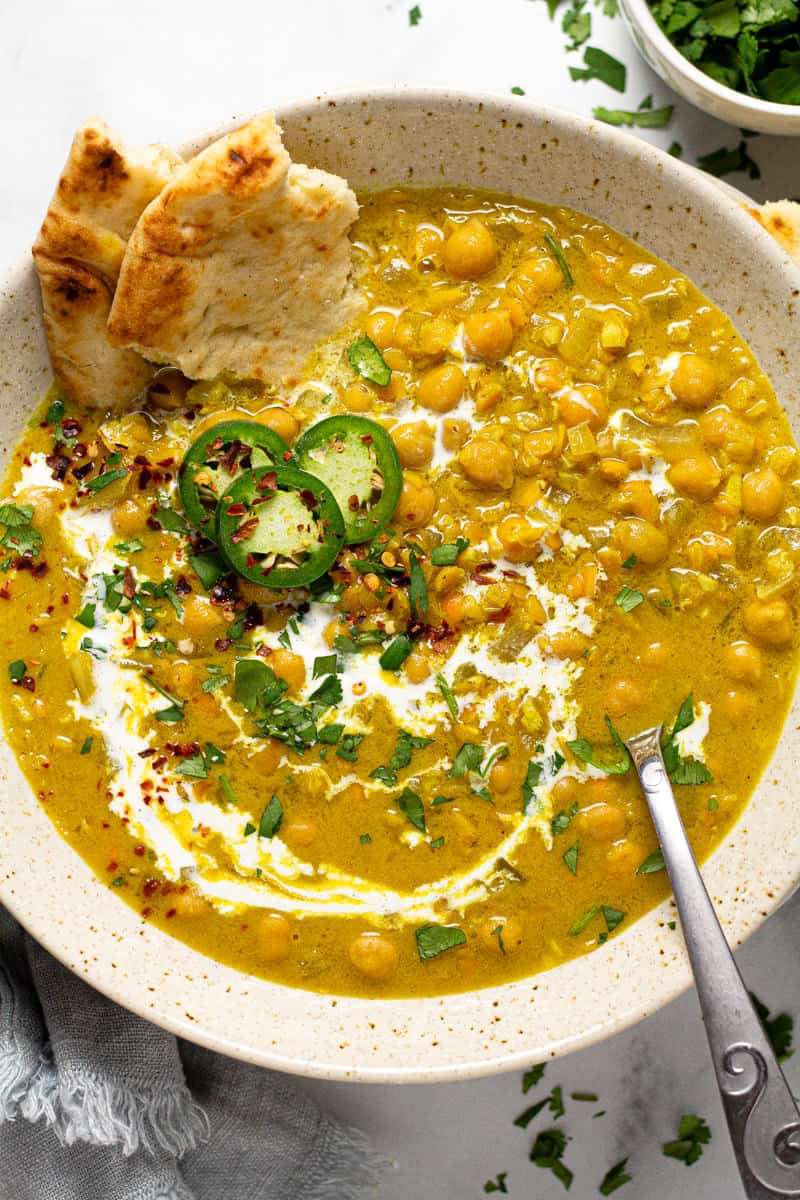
x,y
779,1029
693,1134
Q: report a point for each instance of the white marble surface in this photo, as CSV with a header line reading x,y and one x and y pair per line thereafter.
x,y
159,69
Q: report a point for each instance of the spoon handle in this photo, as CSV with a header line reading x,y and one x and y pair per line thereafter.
x,y
762,1116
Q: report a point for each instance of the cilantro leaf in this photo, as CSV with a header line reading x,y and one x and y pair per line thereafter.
x,y
433,940
364,356
411,806
547,1152
653,118
627,598
469,758
401,757
779,1029
417,588
447,555
532,1077
271,818
615,1177
693,1134
602,66
652,864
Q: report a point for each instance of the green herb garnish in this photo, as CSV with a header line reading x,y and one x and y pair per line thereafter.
x,y
602,66
498,1184
447,555
779,1029
411,806
693,1134
615,1177
417,588
396,653
414,15
102,481
367,361
547,1152
652,864
586,753
628,599
583,921
401,757
558,254
727,160
532,1077
570,858
433,940
645,118
271,818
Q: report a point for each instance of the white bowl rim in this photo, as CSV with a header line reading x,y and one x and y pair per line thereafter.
x,y
341,1067
640,13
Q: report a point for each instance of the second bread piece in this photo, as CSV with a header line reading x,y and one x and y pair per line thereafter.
x,y
240,265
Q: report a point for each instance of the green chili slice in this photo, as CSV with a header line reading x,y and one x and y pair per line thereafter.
x,y
357,460
279,526
217,457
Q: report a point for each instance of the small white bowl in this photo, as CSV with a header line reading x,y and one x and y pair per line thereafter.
x,y
700,89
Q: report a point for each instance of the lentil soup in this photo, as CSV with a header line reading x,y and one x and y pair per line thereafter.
x,y
400,772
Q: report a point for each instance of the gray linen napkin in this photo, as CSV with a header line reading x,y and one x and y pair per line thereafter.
x,y
97,1104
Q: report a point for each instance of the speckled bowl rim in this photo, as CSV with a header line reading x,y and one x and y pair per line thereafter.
x,y
487,140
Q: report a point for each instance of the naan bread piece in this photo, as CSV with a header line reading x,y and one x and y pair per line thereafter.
x,y
781,218
99,198
240,265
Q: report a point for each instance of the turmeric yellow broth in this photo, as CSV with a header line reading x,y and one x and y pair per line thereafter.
x,y
597,531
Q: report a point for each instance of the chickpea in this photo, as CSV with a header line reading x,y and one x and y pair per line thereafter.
x,y
657,654
130,517
635,536
381,328
358,398
697,476
583,403
167,390
454,433
201,619
551,375
769,621
44,502
624,696
414,444
544,272
694,381
471,250
501,779
299,833
280,421
273,937
624,859
487,463
762,494
742,661
188,903
416,504
417,667
506,941
520,539
184,678
441,388
374,956
569,644
738,706
447,579
269,757
289,667
134,432
454,610
716,426
602,822
636,497
489,334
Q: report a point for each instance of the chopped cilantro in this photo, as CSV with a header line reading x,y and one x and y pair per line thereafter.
x,y
570,858
86,748
249,829
726,160
693,1134
348,746
563,819
227,790
208,567
414,15
55,412
441,800
170,520
401,757
417,588
449,698
365,839
436,843
652,864
103,481
532,1077
131,546
396,653
469,758
214,682
433,940
577,24
586,753
558,254
194,767
271,818
583,921
359,639
17,670
779,1029
602,66
324,664
683,771
517,91
366,359
645,118
498,1184
676,150
547,1152
630,561
86,616
447,555
628,599
615,1177
613,917
411,806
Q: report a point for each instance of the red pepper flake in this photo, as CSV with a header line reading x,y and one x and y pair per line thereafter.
x,y
5,594
27,682
148,753
138,851
150,887
308,498
354,504
33,628
159,762
147,785
128,584
165,462
235,510
171,912
245,530
146,912
182,586
497,618
268,482
223,644
112,866
287,456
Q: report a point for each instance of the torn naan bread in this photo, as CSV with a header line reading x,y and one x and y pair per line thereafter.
x,y
99,198
781,218
241,264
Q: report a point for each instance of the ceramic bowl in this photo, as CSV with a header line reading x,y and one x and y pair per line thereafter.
x,y
377,139
724,103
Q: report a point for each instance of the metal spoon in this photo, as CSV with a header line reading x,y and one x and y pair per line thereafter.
x,y
763,1119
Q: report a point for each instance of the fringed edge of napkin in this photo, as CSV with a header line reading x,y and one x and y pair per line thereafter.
x,y
91,1109
347,1165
